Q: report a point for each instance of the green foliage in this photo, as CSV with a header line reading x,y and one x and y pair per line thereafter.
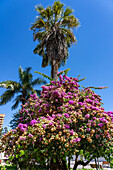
x,y
64,71
51,22
8,167
49,78
44,75
23,88
15,120
82,79
21,153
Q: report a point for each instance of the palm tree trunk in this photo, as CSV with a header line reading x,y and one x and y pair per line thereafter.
x,y
24,94
54,70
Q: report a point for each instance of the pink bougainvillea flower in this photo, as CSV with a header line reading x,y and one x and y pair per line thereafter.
x,y
87,116
97,136
22,138
66,115
67,126
71,132
59,115
30,135
88,129
33,122
45,88
44,126
78,139
100,124
71,102
50,123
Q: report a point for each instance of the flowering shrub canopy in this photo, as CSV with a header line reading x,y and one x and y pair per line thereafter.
x,y
65,121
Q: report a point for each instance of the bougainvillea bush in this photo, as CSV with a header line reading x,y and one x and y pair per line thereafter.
x,y
65,120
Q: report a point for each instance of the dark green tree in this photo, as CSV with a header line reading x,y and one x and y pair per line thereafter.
x,y
21,89
15,120
53,28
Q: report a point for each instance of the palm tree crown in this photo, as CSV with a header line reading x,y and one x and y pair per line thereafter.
x,y
23,88
53,30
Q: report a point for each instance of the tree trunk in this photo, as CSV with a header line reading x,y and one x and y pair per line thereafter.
x,y
23,99
54,70
58,165
69,163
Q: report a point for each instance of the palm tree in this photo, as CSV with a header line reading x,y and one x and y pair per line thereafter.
x,y
15,120
23,88
53,30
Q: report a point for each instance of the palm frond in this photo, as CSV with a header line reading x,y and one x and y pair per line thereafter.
x,y
39,49
8,84
70,22
39,23
20,71
39,35
68,11
27,70
38,81
57,8
41,11
39,8
45,60
17,101
44,75
6,96
27,76
69,36
49,12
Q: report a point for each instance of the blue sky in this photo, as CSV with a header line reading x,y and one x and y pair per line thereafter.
x,y
92,57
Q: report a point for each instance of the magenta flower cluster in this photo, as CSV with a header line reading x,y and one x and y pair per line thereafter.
x,y
63,121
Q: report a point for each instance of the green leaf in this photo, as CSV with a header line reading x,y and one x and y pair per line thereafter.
x,y
16,156
21,152
64,71
54,160
44,75
78,75
11,157
81,152
64,158
82,79
68,11
82,86
19,146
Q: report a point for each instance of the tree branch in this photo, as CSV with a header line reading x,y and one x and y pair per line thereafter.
x,y
81,163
